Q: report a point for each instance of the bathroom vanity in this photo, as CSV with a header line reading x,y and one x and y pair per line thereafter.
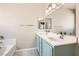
x,y
50,44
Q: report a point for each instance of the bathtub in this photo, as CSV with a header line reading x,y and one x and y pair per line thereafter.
x,y
9,47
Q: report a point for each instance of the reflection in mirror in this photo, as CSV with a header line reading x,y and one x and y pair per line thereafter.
x,y
63,19
45,23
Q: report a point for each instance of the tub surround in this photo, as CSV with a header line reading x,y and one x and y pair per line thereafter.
x,y
9,47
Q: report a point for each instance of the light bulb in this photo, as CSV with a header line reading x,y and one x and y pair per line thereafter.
x,y
47,11
53,5
49,8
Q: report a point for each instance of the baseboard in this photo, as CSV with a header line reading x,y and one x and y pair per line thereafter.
x,y
28,49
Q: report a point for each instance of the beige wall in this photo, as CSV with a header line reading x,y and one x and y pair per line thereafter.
x,y
15,20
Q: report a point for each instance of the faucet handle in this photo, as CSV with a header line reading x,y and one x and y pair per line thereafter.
x,y
64,33
1,37
61,33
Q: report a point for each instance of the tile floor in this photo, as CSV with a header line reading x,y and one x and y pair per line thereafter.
x,y
26,53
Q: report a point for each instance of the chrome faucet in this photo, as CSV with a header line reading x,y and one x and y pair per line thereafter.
x,y
62,35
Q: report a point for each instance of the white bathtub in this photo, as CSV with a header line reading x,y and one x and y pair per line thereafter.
x,y
8,48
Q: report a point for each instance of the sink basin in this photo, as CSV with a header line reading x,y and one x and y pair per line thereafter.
x,y
64,40
55,39
52,35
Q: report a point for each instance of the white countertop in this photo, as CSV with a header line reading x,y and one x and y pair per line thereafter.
x,y
56,41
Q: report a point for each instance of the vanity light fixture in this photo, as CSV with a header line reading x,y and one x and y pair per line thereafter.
x,y
52,7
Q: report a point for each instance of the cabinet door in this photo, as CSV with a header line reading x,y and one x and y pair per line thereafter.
x,y
65,50
38,39
37,43
40,45
46,49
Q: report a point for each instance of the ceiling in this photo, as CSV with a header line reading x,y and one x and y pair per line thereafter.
x,y
69,5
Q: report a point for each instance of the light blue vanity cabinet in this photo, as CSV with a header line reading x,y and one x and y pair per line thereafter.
x,y
46,49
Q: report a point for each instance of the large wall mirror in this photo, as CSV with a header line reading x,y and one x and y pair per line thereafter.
x,y
63,19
